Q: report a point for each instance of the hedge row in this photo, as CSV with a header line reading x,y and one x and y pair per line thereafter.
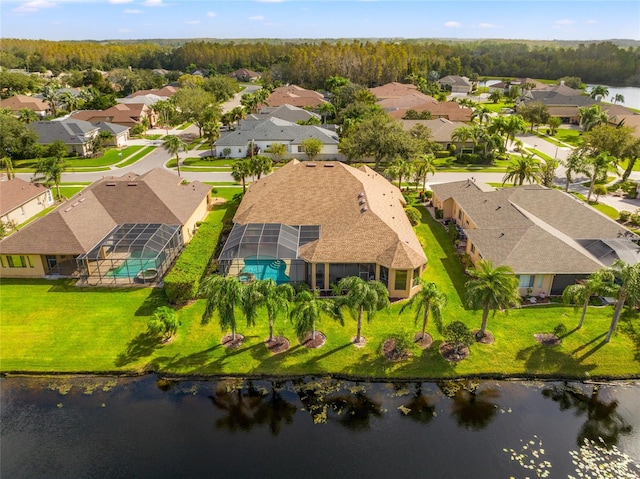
x,y
182,282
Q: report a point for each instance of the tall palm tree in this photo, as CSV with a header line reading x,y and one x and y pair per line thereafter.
x,y
513,125
597,168
7,164
362,297
399,169
599,282
26,115
240,170
574,163
173,144
619,97
429,300
592,116
481,113
599,92
628,291
51,96
522,169
422,166
491,289
211,131
223,294
260,165
275,298
307,312
461,135
49,171
547,171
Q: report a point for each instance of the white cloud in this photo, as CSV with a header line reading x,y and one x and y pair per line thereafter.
x,y
33,6
120,1
192,22
257,18
132,11
153,3
488,25
453,24
565,22
211,14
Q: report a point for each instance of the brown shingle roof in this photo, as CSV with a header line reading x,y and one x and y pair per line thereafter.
x,y
450,110
395,90
77,225
296,96
164,91
329,194
17,192
17,102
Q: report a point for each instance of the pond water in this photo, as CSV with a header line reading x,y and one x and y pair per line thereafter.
x,y
314,427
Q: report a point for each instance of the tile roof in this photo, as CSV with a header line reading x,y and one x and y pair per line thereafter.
x,y
531,228
17,192
78,224
360,213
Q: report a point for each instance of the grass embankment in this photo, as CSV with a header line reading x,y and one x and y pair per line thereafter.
x,y
138,156
105,331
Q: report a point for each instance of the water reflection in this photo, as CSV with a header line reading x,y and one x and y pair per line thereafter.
x,y
472,406
603,423
421,408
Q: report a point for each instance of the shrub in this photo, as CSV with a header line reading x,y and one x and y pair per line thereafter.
x,y
635,219
428,194
182,282
625,215
439,214
442,154
414,215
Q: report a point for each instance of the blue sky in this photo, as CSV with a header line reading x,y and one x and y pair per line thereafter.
x,y
135,19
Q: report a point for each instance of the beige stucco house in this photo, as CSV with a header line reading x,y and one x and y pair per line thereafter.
x,y
21,200
115,221
318,222
548,238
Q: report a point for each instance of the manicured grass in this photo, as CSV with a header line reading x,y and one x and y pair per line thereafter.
x,y
154,137
206,162
138,156
184,126
449,164
110,157
227,192
106,332
69,191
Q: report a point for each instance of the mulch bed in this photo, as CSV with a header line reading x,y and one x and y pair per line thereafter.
x,y
317,342
486,339
228,342
448,352
359,344
547,339
392,353
279,344
423,342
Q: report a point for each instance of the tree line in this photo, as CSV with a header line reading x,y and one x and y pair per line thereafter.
x,y
368,63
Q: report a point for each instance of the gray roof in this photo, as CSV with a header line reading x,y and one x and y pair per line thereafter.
x,y
275,129
556,98
535,229
69,131
111,127
286,112
455,80
149,99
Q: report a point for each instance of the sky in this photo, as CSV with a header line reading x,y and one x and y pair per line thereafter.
x,y
140,19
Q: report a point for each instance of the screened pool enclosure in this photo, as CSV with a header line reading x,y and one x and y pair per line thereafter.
x,y
131,253
267,251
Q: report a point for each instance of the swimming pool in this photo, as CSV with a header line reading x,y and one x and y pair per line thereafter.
x,y
131,267
266,268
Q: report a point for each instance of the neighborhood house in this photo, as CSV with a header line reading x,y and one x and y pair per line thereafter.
x,y
21,200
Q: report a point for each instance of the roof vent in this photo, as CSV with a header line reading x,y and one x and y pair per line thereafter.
x,y
498,207
82,199
68,209
132,184
364,208
362,201
111,184
361,194
310,165
75,204
328,165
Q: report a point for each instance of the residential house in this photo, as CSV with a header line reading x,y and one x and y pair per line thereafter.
x,y
283,112
245,75
319,222
505,86
111,231
124,114
441,130
78,135
549,238
296,96
165,92
21,200
119,134
18,102
455,84
264,133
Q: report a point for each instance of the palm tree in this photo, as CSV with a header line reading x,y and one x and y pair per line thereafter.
x,y
275,298
260,165
574,163
326,110
481,113
362,297
51,96
619,97
240,170
547,171
597,167
496,96
7,164
491,289
592,116
26,115
462,134
513,125
49,170
223,294
307,312
629,290
173,144
399,169
422,166
211,133
599,92
522,169
554,123
70,100
429,300
599,282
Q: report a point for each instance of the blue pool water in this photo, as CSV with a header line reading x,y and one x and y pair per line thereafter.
x,y
131,267
269,268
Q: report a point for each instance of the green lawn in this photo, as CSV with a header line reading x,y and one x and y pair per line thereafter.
x,y
110,157
106,332
184,126
138,156
206,162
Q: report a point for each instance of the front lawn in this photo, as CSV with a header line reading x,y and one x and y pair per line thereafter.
x,y
138,156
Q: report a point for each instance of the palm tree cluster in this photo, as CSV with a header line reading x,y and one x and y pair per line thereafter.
x,y
255,166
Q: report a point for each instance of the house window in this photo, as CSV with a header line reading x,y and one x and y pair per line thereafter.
x,y
540,278
526,281
22,210
460,214
473,248
2,262
16,261
401,280
416,276
384,275
300,149
29,261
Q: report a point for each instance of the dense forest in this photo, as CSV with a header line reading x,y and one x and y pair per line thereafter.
x,y
366,62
